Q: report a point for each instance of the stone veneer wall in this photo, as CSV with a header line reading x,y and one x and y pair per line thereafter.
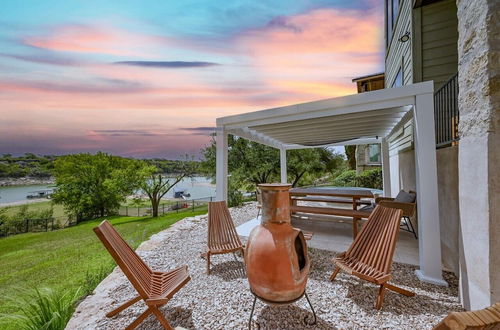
x,y
479,151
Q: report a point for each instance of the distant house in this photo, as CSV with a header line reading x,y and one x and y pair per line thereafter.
x,y
368,156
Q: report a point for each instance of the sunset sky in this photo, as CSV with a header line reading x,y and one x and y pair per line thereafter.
x,y
148,78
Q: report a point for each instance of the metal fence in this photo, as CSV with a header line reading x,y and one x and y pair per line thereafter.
x,y
21,226
446,114
163,208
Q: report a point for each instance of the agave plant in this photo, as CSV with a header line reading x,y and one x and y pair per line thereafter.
x,y
43,309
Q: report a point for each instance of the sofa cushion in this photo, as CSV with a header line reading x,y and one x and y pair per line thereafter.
x,y
404,197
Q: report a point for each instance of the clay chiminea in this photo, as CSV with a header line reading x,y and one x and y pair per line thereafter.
x,y
276,253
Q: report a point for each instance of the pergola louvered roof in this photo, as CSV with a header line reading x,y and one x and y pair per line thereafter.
x,y
354,119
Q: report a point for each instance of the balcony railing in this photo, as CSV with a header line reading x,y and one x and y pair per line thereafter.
x,y
446,115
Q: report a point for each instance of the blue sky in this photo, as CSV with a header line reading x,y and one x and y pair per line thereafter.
x,y
74,73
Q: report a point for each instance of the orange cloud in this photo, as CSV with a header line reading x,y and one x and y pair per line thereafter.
x,y
319,51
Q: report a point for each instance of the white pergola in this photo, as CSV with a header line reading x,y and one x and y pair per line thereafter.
x,y
351,120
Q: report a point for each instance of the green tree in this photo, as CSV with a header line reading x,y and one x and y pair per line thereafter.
x,y
156,185
251,163
302,161
95,185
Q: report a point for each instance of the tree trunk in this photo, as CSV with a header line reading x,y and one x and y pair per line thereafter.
x,y
154,204
350,152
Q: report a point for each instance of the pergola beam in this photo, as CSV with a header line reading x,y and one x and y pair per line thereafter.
x,y
334,128
290,115
367,116
346,121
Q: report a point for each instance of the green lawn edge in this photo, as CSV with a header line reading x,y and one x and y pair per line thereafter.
x,y
70,258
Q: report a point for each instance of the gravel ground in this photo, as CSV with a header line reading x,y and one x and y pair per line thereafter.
x,y
223,300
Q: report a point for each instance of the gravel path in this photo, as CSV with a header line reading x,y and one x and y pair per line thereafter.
x,y
223,300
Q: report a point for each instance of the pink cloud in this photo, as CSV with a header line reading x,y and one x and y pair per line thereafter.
x,y
95,39
316,49
293,59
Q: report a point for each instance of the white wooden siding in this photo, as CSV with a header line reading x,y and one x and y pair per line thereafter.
x,y
399,54
401,138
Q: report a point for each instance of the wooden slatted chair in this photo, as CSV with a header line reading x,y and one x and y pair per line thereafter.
x,y
488,318
222,235
155,288
370,255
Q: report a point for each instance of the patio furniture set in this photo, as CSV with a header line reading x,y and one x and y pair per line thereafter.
x,y
369,258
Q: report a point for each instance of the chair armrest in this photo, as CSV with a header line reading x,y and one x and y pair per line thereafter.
x,y
407,208
379,199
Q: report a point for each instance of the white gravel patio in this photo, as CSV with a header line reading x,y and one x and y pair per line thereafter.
x,y
222,300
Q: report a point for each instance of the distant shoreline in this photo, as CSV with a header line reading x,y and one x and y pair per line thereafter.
x,y
30,201
25,181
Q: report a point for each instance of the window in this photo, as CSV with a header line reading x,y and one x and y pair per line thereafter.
x,y
398,81
395,9
374,153
391,15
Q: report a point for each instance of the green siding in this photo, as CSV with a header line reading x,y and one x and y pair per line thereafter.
x,y
439,41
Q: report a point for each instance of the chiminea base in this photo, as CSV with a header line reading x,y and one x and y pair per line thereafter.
x,y
281,303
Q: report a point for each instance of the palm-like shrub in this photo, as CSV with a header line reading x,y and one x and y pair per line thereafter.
x,y
43,309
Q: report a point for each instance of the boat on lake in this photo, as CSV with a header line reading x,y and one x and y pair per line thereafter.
x,y
47,193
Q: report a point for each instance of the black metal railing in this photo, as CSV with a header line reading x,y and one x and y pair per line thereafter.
x,y
446,114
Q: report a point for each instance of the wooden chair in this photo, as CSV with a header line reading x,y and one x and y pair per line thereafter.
x,y
222,235
155,288
370,255
408,208
488,318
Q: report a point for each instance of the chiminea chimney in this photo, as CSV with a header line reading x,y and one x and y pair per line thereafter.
x,y
276,256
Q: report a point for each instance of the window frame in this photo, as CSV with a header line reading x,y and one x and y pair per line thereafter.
x,y
368,157
391,18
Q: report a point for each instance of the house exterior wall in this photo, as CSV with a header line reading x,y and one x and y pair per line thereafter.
x,y
363,161
479,151
431,55
439,36
399,54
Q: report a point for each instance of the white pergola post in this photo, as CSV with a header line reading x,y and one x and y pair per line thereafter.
x,y
386,169
283,165
221,164
429,242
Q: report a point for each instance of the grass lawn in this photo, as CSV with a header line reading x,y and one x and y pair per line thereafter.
x,y
72,257
38,206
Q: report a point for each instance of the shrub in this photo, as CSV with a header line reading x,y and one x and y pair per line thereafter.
x,y
43,309
24,219
367,179
371,179
95,276
234,195
346,179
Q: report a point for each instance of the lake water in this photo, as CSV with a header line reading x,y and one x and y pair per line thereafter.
x,y
198,187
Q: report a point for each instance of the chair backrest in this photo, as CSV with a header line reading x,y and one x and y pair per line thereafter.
x,y
406,197
376,242
221,229
488,318
138,273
